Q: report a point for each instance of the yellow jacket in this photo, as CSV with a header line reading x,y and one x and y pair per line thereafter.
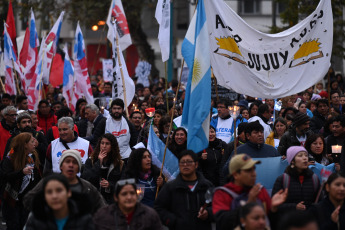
x,y
270,139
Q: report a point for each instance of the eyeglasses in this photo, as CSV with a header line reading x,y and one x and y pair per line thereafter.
x,y
188,163
138,118
12,115
221,107
126,181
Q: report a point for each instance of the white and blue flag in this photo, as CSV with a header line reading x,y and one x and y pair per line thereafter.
x,y
197,104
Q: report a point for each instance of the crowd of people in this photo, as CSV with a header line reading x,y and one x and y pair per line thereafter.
x,y
92,169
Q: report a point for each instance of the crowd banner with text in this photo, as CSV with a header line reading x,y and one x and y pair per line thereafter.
x,y
269,65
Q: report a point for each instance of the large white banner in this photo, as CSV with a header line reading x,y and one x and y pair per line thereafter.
x,y
269,65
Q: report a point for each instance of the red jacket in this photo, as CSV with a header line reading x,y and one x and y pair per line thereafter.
x,y
46,122
5,135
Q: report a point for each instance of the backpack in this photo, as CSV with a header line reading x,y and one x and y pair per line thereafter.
x,y
315,178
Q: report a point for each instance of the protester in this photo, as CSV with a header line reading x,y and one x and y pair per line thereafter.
x,y
53,207
46,116
93,118
104,168
297,134
120,127
34,120
252,217
330,212
6,99
211,158
335,102
244,113
178,142
163,127
21,172
338,133
68,140
253,109
302,183
180,203
319,116
226,208
263,116
315,145
7,125
22,102
279,128
140,168
136,118
70,165
127,212
298,220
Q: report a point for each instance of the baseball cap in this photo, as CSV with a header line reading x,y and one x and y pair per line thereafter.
x,y
241,161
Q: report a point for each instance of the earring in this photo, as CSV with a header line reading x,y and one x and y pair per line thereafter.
x,y
292,166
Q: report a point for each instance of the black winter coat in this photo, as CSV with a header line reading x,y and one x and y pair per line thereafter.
x,y
211,166
323,211
298,192
317,122
93,172
144,218
289,139
42,217
178,206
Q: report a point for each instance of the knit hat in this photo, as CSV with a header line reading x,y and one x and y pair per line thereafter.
x,y
71,153
243,103
292,152
300,119
241,161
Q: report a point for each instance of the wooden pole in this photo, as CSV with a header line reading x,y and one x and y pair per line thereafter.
x,y
329,87
166,87
122,77
19,92
170,126
235,141
2,85
216,87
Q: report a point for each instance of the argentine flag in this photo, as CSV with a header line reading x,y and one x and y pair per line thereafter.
x,y
197,104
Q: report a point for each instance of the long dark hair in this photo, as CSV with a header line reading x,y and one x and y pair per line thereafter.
x,y
173,146
309,142
281,120
333,177
134,167
114,155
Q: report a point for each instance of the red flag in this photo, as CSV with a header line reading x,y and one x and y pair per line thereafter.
x,y
23,57
11,27
56,72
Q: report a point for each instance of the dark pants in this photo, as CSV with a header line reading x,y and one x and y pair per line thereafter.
x,y
15,216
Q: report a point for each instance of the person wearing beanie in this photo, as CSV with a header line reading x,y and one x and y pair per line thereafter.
x,y
302,183
242,182
70,164
297,134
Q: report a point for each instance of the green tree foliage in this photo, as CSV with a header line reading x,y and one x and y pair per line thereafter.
x,y
297,10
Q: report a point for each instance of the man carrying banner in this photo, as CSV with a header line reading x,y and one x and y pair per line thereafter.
x,y
226,207
180,202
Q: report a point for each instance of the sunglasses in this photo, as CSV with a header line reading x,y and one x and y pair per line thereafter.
x,y
125,182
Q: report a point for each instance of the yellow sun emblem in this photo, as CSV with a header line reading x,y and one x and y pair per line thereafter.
x,y
307,48
196,71
228,43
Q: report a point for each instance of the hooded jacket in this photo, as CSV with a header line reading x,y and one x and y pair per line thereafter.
x,y
46,122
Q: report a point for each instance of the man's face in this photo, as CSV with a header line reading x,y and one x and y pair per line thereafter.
x,y
256,137
90,115
136,119
69,168
6,101
94,89
44,109
338,130
34,120
25,124
342,100
304,127
66,133
187,166
267,114
223,111
56,107
10,117
23,105
246,177
107,88
116,112
322,109
270,102
335,99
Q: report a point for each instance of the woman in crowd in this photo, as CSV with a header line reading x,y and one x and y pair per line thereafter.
x,y
163,127
21,173
157,117
330,212
253,109
127,212
104,168
140,168
53,207
252,217
302,107
178,141
279,128
211,158
303,185
315,145
244,113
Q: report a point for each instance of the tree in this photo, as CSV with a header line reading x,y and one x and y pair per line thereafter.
x,y
299,9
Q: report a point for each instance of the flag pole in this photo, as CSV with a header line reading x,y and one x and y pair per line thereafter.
x,y
2,86
122,77
16,79
166,87
170,126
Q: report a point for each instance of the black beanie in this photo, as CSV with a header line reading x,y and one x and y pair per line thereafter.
x,y
300,119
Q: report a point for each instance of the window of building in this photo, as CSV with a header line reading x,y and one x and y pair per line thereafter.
x,y
250,7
